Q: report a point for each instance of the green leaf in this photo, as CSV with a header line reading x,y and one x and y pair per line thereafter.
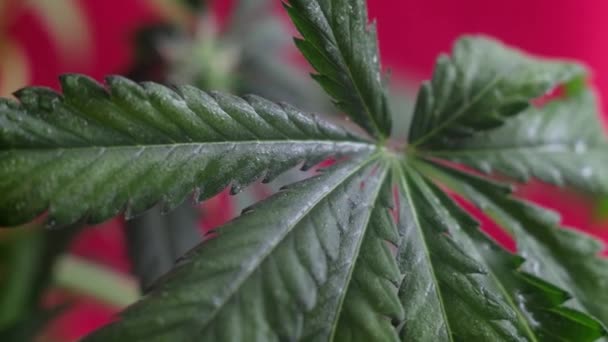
x,y
371,301
560,255
479,87
446,293
344,51
95,152
561,143
538,304
564,257
292,267
325,259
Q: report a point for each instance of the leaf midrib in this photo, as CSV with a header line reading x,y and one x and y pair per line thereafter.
x,y
553,148
359,145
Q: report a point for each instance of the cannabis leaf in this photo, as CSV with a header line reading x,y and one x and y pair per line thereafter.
x,y
560,143
561,256
539,306
370,249
445,290
472,278
479,87
363,305
261,278
95,152
344,51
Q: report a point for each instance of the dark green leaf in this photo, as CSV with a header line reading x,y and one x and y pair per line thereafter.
x,y
562,143
290,268
564,257
560,255
541,315
324,259
479,87
93,153
447,294
343,50
370,302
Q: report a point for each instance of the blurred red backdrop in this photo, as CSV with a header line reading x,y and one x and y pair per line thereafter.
x,y
412,33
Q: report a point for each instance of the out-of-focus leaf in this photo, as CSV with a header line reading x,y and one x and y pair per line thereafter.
x,y
204,59
156,241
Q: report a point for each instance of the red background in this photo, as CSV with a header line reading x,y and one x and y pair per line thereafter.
x,y
411,32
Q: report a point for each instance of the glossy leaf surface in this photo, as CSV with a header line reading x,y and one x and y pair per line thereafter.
x,y
562,256
343,49
95,152
370,249
446,293
542,312
481,85
288,268
560,143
